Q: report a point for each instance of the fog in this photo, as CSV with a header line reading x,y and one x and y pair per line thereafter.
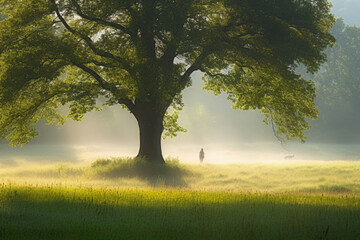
x,y
227,135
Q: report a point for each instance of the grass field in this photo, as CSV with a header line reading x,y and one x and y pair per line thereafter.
x,y
125,199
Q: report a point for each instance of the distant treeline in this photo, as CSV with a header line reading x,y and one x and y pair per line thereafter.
x,y
338,88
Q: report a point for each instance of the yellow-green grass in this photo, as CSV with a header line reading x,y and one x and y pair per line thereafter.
x,y
306,176
127,199
52,212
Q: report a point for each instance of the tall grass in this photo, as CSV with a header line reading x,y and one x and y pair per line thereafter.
x,y
53,212
316,177
122,198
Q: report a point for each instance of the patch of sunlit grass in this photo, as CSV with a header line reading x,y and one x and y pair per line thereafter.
x,y
122,198
314,177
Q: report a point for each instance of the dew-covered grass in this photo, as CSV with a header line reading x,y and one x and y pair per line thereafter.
x,y
127,199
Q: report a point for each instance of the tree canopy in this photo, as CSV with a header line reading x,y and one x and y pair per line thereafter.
x,y
141,54
338,86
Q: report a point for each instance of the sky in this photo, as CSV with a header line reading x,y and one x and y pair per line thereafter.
x,y
227,135
347,9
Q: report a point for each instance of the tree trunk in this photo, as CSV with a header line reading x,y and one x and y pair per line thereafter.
x,y
151,127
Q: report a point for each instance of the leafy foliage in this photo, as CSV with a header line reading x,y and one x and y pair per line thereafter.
x,y
339,80
141,54
338,86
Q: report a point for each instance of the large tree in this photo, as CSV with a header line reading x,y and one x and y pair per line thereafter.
x,y
141,54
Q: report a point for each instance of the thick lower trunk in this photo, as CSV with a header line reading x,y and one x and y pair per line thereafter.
x,y
150,128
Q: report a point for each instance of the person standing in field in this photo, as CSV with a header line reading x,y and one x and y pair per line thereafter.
x,y
201,155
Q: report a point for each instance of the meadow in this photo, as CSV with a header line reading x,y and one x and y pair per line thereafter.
x,y
127,199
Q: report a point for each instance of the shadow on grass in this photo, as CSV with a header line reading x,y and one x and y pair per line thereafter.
x,y
170,174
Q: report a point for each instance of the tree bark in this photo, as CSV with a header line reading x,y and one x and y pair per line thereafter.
x,y
150,123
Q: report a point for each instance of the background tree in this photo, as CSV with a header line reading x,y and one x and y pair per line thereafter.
x,y
141,54
338,87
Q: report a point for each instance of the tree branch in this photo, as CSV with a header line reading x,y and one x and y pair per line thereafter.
x,y
170,53
102,82
89,42
105,85
24,115
195,66
99,20
129,104
243,35
102,64
215,74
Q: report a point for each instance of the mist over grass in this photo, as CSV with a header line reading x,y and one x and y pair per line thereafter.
x,y
124,198
294,176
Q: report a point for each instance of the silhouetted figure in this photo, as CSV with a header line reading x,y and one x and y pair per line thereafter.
x,y
201,155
